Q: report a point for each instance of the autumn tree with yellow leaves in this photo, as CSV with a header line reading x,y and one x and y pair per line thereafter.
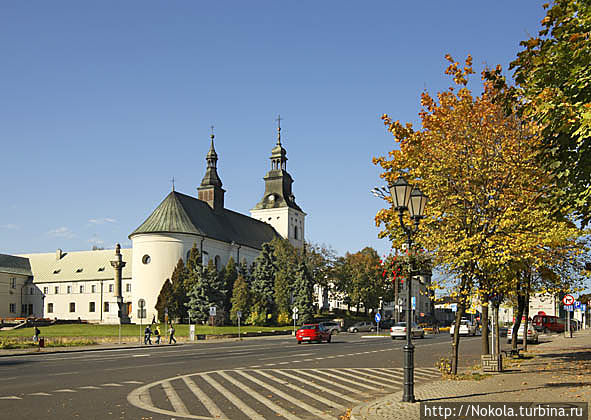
x,y
486,190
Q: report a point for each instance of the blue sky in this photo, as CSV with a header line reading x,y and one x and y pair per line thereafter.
x,y
104,102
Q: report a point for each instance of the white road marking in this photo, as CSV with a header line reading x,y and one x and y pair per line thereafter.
x,y
111,385
140,355
340,378
89,387
319,387
355,375
250,413
12,397
43,394
132,382
209,405
64,390
174,399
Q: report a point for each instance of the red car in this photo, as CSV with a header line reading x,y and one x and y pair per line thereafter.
x,y
312,332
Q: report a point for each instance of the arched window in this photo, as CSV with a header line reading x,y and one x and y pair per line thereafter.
x,y
188,255
295,232
217,262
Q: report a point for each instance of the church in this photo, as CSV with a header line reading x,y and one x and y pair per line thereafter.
x,y
85,284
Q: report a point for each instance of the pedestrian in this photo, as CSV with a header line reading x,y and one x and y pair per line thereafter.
x,y
171,339
36,335
157,335
147,335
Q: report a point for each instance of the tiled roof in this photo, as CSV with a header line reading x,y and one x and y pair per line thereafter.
x,y
77,266
180,213
15,265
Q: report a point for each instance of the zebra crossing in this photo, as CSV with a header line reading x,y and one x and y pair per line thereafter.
x,y
248,393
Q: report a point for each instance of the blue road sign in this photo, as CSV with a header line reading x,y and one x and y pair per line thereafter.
x,y
414,302
583,307
577,304
378,317
454,307
569,308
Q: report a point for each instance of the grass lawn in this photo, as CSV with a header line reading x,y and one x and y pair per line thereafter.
x,y
92,330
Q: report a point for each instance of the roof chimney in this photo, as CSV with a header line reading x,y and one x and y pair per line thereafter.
x,y
58,254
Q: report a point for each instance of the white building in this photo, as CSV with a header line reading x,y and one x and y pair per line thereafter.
x,y
72,285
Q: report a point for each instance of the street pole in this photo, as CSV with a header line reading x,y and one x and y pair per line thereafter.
x,y
238,328
409,348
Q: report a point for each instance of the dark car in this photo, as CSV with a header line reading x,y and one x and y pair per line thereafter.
x,y
312,333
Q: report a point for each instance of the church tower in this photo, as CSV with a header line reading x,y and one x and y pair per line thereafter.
x,y
211,190
278,207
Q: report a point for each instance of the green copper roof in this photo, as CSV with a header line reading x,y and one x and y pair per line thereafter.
x,y
180,213
15,265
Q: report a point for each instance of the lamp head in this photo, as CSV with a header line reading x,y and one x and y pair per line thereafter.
x,y
417,204
400,191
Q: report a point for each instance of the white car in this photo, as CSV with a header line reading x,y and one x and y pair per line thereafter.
x,y
532,334
399,330
466,328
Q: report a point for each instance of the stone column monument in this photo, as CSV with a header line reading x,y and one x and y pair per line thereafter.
x,y
118,265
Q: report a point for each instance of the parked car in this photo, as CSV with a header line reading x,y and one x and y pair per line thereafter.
x,y
466,328
548,323
532,334
386,324
331,326
311,333
362,326
399,330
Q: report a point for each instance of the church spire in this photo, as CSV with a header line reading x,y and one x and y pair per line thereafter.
x,y
210,189
278,154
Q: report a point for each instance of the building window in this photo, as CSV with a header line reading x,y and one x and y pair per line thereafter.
x,y
50,308
31,291
110,288
30,309
188,255
295,232
12,308
216,260
93,288
91,307
68,289
23,309
146,259
106,307
128,287
72,307
46,290
81,288
13,283
56,290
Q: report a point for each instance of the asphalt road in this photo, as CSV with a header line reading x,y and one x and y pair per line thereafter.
x,y
254,378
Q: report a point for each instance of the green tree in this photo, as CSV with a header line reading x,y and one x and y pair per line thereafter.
x,y
230,274
240,299
165,299
304,294
178,307
206,291
286,259
554,79
263,282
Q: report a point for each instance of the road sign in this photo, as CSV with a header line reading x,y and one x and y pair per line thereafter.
x,y
212,311
414,302
569,308
577,304
295,310
141,303
583,307
454,307
238,314
568,300
378,317
295,316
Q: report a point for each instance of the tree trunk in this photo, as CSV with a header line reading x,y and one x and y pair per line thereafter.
x,y
520,308
497,349
484,319
526,311
456,338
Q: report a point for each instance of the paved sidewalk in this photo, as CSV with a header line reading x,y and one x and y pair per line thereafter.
x,y
559,372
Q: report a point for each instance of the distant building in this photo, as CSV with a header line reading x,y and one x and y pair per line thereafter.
x,y
72,285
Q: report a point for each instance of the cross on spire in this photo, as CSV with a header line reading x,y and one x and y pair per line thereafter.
x,y
278,129
212,135
172,180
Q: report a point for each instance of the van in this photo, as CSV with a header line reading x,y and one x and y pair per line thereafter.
x,y
548,323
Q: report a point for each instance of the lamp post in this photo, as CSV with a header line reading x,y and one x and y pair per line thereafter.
x,y
405,197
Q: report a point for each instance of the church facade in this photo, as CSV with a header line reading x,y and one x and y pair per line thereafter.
x,y
72,285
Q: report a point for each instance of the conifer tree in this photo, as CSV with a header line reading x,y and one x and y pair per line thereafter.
x,y
165,299
230,274
303,294
178,308
240,299
207,291
286,262
263,283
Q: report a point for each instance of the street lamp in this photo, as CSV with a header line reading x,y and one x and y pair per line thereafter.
x,y
405,197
